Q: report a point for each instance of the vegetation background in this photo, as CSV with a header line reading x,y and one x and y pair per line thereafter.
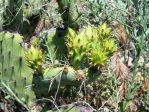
x,y
74,55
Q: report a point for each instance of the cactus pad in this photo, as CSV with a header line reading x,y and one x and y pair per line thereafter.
x,y
14,72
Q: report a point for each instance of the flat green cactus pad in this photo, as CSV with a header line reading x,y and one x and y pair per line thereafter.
x,y
14,72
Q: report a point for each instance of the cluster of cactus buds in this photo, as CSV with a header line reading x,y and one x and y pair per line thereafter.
x,y
94,44
34,57
77,47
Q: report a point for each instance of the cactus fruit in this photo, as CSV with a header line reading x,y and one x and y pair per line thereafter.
x,y
14,73
94,44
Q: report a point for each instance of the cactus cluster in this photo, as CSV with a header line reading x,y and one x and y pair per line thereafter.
x,y
92,47
94,44
15,75
22,70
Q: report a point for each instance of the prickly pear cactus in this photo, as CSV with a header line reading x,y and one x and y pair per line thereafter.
x,y
15,75
57,77
91,47
93,44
